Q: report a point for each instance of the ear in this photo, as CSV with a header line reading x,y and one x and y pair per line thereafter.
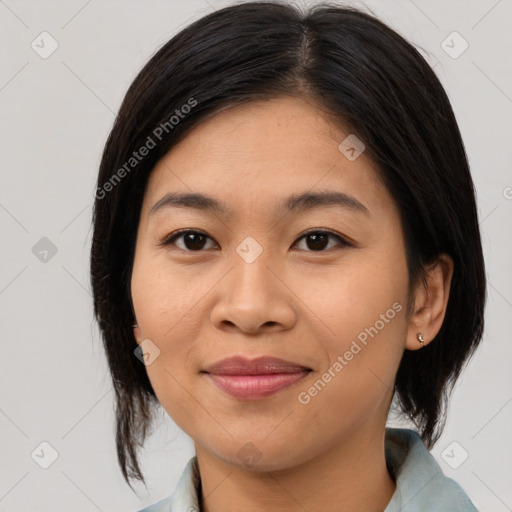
x,y
430,301
136,334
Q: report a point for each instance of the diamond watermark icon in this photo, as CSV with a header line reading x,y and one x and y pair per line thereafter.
x,y
454,45
44,45
44,250
454,455
351,147
249,455
249,249
44,455
147,352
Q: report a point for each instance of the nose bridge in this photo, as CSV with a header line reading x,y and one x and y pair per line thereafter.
x,y
252,295
252,279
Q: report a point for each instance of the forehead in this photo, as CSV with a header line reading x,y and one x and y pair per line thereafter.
x,y
255,154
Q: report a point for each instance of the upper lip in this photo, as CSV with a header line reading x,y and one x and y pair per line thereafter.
x,y
260,366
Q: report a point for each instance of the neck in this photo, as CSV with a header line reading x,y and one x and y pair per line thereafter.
x,y
352,475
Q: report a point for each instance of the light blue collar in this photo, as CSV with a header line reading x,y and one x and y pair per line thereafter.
x,y
421,485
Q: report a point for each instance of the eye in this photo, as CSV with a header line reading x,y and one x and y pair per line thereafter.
x,y
193,240
317,240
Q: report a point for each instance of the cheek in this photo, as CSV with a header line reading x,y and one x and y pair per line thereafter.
x,y
356,381
355,295
168,311
163,318
164,301
362,308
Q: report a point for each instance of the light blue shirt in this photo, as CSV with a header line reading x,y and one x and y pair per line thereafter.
x,y
421,485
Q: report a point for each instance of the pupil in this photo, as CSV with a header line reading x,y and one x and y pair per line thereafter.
x,y
319,241
189,241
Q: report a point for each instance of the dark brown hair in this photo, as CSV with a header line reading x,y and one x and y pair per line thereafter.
x,y
359,71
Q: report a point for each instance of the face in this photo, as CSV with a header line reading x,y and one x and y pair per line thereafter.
x,y
321,284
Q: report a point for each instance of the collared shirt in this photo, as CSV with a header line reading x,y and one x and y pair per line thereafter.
x,y
421,485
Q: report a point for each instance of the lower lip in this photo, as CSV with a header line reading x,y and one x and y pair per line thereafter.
x,y
253,387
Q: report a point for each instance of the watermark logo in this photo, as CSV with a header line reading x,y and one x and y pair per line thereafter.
x,y
304,397
454,45
44,45
351,147
151,142
249,249
147,352
249,455
44,250
454,455
44,455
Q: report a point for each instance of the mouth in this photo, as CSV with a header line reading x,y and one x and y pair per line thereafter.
x,y
255,379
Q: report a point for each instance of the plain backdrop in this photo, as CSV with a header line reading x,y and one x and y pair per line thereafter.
x,y
56,112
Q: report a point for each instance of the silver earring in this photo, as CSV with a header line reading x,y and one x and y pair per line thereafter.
x,y
420,339
135,325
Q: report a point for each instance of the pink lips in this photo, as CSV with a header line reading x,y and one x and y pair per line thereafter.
x,y
256,378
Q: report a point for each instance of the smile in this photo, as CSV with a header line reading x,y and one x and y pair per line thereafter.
x,y
254,379
253,387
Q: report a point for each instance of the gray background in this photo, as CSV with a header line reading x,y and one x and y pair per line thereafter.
x,y
56,113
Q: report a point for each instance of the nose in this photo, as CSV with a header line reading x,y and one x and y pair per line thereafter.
x,y
254,297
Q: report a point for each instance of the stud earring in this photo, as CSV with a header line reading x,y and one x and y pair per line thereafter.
x,y
421,339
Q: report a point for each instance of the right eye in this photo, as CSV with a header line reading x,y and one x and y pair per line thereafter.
x,y
192,240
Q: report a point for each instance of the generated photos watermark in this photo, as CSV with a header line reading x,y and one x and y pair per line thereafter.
x,y
151,142
304,397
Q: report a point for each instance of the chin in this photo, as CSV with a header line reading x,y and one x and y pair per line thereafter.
x,y
262,455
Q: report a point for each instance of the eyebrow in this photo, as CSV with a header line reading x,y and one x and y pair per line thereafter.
x,y
297,202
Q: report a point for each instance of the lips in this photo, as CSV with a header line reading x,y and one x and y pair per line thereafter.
x,y
257,378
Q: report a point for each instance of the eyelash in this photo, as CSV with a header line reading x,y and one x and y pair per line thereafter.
x,y
169,240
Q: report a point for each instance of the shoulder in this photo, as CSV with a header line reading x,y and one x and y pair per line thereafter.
x,y
185,495
161,506
421,483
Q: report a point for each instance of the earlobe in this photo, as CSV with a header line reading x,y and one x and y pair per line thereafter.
x,y
430,302
136,333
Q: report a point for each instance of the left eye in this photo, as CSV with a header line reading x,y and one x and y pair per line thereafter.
x,y
318,241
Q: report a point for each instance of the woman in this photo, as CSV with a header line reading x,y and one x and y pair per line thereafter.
x,y
315,161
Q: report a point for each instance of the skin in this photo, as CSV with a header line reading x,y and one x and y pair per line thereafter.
x,y
293,302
